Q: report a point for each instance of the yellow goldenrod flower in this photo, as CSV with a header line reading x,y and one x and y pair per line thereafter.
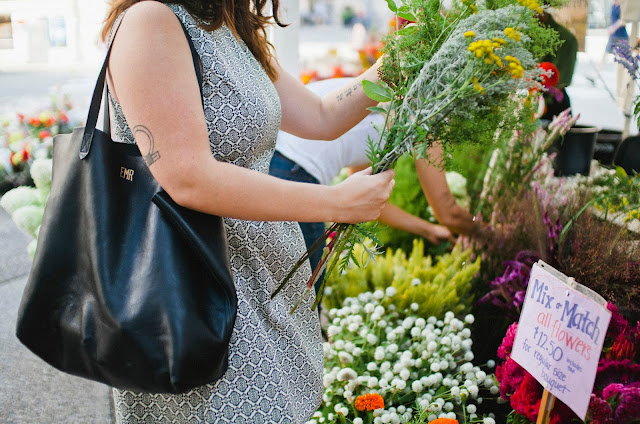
x,y
477,86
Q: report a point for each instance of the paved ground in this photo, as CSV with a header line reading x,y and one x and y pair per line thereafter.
x,y
32,392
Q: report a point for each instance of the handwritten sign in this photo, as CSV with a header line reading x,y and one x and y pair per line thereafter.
x,y
560,335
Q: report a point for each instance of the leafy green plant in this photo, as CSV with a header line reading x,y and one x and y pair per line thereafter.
x,y
421,286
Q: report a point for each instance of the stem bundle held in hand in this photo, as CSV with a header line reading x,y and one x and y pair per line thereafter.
x,y
478,61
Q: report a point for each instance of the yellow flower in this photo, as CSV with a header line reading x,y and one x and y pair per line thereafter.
x,y
469,34
477,86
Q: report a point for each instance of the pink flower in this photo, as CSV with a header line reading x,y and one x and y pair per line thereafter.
x,y
507,343
611,390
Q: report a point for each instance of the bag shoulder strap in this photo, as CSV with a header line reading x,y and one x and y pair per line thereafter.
x,y
101,86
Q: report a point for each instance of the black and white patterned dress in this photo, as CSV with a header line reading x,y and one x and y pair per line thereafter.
x,y
275,361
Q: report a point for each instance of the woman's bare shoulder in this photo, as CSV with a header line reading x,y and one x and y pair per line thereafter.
x,y
153,15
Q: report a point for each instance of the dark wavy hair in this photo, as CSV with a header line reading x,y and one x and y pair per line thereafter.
x,y
244,18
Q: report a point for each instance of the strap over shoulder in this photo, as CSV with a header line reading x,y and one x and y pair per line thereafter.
x,y
98,91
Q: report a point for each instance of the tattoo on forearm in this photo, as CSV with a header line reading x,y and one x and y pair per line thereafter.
x,y
142,131
348,92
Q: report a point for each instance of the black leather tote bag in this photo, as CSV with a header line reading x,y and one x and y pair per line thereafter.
x,y
126,288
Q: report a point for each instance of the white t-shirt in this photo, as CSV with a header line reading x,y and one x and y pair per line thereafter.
x,y
324,159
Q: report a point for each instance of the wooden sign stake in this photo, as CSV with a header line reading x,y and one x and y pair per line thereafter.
x,y
546,406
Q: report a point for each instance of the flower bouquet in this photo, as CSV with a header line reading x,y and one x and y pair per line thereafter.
x,y
472,61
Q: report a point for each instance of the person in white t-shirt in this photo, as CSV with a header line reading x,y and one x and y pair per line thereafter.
x,y
319,162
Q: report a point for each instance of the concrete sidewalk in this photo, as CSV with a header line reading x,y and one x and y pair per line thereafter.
x,y
31,391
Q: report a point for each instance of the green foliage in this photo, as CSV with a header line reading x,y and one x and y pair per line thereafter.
x,y
434,288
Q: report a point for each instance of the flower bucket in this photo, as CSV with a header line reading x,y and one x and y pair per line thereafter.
x,y
575,151
607,143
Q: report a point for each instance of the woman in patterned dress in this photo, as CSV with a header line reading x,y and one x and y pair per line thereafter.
x,y
217,162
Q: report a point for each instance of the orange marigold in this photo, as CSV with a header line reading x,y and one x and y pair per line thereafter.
x,y
444,421
369,402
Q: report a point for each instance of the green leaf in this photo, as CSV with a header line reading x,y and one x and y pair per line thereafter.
x,y
408,30
377,92
407,15
377,109
392,6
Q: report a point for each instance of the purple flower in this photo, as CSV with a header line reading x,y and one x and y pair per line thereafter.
x,y
628,410
624,56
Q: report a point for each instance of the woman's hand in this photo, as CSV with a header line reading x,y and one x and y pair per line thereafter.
x,y
437,234
362,196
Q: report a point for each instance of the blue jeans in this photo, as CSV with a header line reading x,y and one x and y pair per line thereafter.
x,y
286,169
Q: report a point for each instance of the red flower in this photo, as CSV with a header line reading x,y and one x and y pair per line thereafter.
x,y
549,81
64,119
44,134
403,22
21,117
34,122
50,121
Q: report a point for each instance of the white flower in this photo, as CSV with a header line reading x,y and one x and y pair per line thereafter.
x,y
494,390
349,347
372,338
446,382
372,366
383,383
416,386
358,420
373,382
473,390
444,365
431,320
375,316
378,294
391,291
468,356
405,374
345,357
466,367
466,333
448,406
469,319
399,384
488,421
407,323
382,323
379,354
333,330
471,408
435,367
481,375
445,341
415,282
346,374
451,415
414,306
339,344
448,316
357,351
353,327
432,346
420,323
369,308
491,363
391,336
392,348
328,379
355,309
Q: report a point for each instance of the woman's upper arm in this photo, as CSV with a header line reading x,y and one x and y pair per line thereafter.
x,y
152,75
